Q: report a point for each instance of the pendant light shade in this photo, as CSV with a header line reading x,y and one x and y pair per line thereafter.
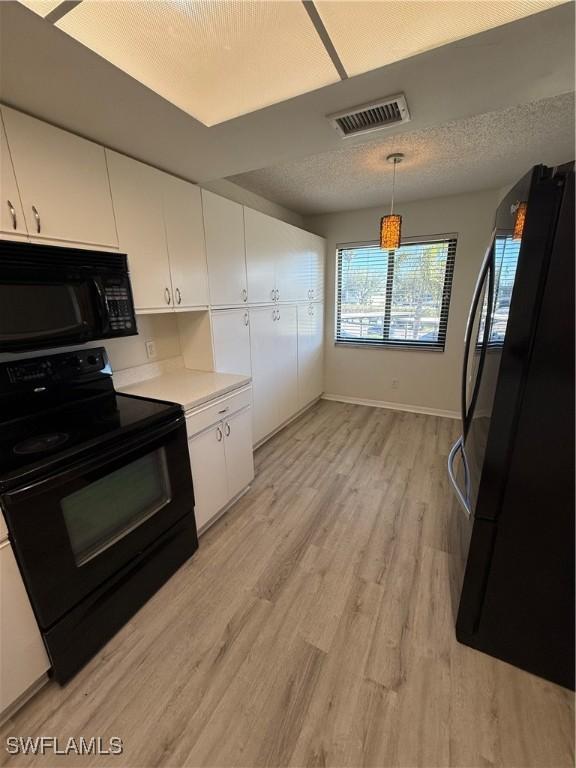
x,y
391,225
390,232
519,221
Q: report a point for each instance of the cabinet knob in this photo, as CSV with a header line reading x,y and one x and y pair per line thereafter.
x,y
37,217
167,295
13,214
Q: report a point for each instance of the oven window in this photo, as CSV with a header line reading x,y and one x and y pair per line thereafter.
x,y
105,511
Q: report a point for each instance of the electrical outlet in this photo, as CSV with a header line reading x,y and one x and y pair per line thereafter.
x,y
151,350
395,383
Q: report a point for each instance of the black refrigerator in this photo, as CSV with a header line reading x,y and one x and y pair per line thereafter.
x,y
513,466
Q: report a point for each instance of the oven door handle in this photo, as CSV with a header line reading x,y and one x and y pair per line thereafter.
x,y
137,442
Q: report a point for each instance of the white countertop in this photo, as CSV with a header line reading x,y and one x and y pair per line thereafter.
x,y
186,387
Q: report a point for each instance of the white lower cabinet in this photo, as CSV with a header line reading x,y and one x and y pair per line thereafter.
x,y
231,341
310,352
23,658
220,447
274,352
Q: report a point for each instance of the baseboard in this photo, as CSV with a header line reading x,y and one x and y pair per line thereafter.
x,y
392,406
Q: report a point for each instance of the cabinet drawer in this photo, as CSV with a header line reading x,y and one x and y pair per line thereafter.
x,y
216,410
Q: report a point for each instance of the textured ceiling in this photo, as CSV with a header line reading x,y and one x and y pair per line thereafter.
x,y
482,152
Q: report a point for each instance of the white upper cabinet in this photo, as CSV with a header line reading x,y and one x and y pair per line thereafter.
x,y
137,191
316,252
231,340
265,241
224,231
12,223
63,182
185,238
282,261
310,352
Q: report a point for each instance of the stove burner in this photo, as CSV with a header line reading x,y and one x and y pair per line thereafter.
x,y
41,443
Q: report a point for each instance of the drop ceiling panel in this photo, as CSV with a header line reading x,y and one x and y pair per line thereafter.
x,y
41,7
368,35
215,60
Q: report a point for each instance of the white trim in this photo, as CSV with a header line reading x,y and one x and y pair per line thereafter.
x,y
393,406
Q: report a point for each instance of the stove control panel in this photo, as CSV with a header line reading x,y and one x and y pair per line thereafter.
x,y
53,369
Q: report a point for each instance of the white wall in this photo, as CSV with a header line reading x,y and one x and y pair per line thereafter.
x,y
237,193
427,380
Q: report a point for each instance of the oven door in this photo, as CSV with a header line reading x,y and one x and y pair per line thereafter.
x,y
74,530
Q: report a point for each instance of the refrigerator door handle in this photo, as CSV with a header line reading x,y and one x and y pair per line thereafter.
x,y
486,263
464,500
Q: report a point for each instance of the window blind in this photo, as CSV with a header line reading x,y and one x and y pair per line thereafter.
x,y
395,298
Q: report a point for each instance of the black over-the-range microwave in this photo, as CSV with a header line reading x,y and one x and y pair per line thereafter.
x,y
53,296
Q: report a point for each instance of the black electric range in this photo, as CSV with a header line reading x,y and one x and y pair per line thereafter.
x,y
97,493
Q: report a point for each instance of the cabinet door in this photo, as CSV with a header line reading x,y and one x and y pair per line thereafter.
x,y
292,264
231,338
238,448
286,363
224,230
23,658
12,223
264,242
310,352
185,239
208,462
64,178
316,259
263,342
137,195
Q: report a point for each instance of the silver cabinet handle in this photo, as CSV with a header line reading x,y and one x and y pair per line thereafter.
x,y
278,315
13,214
274,315
311,293
246,318
178,296
464,502
277,294
273,294
219,434
167,295
244,294
227,429
37,217
311,310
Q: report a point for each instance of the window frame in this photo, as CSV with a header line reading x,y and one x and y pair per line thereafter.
x,y
419,346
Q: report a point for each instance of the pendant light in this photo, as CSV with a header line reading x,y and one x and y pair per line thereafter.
x,y
391,225
519,220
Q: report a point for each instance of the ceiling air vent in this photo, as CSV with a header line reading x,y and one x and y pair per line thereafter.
x,y
371,117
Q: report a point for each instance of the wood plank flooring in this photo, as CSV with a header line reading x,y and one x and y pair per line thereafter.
x,y
314,628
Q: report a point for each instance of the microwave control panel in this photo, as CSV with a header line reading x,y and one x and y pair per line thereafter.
x,y
119,305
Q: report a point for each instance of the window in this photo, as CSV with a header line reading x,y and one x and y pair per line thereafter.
x,y
395,298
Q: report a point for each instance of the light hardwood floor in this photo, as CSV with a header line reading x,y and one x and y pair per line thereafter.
x,y
314,627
